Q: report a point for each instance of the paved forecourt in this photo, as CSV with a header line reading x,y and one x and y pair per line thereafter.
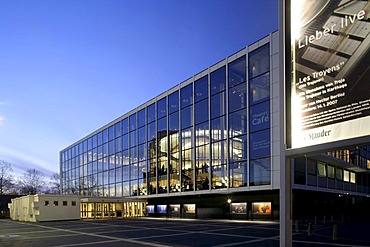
x,y
153,232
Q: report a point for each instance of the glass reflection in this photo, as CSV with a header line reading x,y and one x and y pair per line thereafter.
x,y
237,71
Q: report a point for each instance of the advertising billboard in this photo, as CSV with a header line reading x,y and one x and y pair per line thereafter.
x,y
330,70
238,208
263,208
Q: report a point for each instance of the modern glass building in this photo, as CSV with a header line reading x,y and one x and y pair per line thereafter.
x,y
212,147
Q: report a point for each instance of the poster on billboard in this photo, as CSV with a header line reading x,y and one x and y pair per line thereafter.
x,y
238,208
263,208
330,77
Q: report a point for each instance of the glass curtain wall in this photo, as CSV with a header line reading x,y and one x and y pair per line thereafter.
x,y
259,115
201,120
237,77
174,143
187,156
210,134
219,177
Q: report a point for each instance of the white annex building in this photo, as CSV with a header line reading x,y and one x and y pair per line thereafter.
x,y
37,208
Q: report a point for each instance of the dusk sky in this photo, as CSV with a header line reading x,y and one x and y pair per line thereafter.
x,y
68,67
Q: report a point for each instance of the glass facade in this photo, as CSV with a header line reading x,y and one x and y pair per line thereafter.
x,y
209,133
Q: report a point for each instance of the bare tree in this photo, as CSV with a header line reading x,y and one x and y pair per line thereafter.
x,y
6,178
55,184
32,182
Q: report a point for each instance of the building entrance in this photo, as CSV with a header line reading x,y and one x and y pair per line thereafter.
x,y
107,210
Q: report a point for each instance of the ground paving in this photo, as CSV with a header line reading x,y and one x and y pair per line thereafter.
x,y
140,232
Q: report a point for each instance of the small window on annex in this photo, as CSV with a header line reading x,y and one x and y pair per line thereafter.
x,y
346,176
331,172
321,168
339,174
353,177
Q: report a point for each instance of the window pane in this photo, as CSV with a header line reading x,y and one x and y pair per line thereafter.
x,y
219,167
201,88
186,117
105,136
219,176
238,148
218,129
125,142
187,170
311,167
238,174
173,102
151,113
111,133
339,173
237,71
260,144
174,122
218,105
238,97
353,178
330,170
186,139
218,80
201,111
162,130
300,170
238,123
142,152
260,172
186,95
118,129
259,61
162,125
133,122
125,126
321,168
202,167
202,134
151,132
133,140
141,135
259,89
260,117
141,118
97,140
161,108
346,176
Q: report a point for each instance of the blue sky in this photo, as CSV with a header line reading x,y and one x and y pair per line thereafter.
x,y
69,67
